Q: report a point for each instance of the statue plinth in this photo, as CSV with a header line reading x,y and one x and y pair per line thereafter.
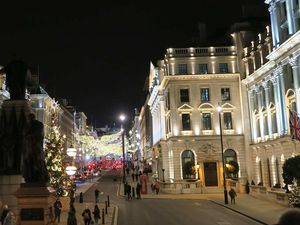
x,y
34,201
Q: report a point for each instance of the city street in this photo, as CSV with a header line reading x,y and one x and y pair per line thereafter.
x,y
162,211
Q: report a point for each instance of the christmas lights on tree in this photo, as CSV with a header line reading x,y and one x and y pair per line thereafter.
x,y
54,154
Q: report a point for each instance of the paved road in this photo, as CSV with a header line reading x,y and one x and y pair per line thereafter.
x,y
163,211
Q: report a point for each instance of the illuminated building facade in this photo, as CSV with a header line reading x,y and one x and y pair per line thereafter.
x,y
185,89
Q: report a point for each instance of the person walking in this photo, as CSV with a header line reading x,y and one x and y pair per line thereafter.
x,y
86,215
81,197
157,187
97,195
96,213
128,192
232,195
57,210
138,190
137,177
5,211
132,175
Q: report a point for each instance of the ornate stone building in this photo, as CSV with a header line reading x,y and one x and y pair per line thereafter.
x,y
185,89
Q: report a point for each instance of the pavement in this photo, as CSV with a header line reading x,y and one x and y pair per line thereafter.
x,y
261,211
109,218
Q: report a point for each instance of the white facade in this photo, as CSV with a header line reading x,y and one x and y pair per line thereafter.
x,y
186,89
272,84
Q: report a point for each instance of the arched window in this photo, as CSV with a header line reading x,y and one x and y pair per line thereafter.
x,y
188,163
230,160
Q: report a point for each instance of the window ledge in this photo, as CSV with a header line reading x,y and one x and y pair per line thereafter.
x,y
207,132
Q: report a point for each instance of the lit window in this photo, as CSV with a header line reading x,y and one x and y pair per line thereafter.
x,y
186,122
182,69
206,120
225,93
204,94
227,120
223,67
203,69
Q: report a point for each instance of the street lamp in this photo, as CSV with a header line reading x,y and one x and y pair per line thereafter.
x,y
223,164
122,118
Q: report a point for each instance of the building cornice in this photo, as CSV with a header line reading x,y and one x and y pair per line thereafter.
x,y
227,76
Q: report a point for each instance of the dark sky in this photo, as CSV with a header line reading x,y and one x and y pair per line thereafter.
x,y
97,55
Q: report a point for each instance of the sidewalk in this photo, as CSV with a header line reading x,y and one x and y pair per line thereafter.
x,y
262,211
109,217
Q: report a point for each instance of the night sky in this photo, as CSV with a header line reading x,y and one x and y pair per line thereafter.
x,y
97,55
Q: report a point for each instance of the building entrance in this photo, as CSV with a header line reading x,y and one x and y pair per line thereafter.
x,y
210,174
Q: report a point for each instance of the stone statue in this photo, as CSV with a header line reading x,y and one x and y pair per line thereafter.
x,y
17,77
34,167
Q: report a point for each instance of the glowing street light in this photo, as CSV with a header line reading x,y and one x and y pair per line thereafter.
x,y
122,118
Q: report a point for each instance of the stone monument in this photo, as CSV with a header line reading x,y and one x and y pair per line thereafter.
x,y
21,153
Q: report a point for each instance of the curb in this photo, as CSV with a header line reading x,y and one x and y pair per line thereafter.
x,y
236,211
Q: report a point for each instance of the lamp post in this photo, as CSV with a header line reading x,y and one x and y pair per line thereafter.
x,y
223,164
122,118
163,170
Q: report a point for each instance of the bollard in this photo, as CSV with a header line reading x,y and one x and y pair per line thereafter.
x,y
105,207
103,221
108,200
133,193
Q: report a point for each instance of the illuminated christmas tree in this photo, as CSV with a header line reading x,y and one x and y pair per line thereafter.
x,y
54,153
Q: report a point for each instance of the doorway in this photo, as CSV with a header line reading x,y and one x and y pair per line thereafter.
x,y
210,174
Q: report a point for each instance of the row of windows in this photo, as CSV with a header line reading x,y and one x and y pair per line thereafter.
x,y
202,68
207,121
204,95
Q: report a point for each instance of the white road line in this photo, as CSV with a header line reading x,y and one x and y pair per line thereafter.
x,y
198,204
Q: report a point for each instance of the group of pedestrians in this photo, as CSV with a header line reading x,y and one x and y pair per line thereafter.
x,y
7,216
128,190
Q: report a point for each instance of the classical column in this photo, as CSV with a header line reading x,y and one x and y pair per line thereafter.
x,y
274,24
266,87
293,61
260,113
252,120
279,71
274,80
289,15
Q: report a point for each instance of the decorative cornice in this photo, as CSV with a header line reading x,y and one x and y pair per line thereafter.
x,y
278,71
293,61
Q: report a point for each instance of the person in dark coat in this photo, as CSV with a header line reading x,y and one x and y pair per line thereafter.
x,y
81,197
128,192
132,175
4,213
72,217
86,215
138,191
96,213
97,195
232,195
57,210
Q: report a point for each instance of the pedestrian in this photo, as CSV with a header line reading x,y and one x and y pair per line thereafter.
x,y
57,210
291,217
138,191
72,196
10,219
72,216
96,213
127,170
128,192
86,215
137,177
132,175
4,213
97,196
157,187
125,189
81,197
232,195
